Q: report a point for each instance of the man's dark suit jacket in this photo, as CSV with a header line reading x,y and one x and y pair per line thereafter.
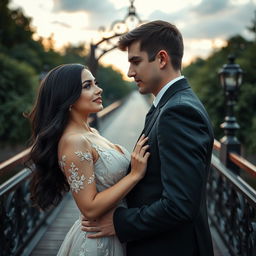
x,y
167,212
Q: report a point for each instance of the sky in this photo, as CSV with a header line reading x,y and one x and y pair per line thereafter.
x,y
204,24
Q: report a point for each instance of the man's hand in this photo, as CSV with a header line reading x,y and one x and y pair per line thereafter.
x,y
103,226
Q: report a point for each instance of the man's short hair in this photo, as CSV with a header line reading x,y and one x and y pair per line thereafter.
x,y
155,36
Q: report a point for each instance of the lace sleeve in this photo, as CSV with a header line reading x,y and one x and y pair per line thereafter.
x,y
76,161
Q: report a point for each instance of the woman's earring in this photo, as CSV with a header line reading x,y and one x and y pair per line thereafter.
x,y
70,108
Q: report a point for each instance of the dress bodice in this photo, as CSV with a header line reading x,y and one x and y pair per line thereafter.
x,y
111,166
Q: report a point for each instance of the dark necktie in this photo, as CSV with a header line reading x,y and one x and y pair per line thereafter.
x,y
149,114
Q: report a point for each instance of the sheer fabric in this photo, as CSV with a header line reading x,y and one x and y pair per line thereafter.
x,y
110,167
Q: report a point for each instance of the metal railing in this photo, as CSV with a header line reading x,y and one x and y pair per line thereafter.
x,y
232,205
22,225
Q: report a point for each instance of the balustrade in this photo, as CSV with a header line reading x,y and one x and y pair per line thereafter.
x,y
232,205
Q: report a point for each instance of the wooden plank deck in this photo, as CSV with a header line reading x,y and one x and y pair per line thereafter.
x,y
122,128
52,239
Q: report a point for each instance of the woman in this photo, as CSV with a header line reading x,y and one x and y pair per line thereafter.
x,y
68,154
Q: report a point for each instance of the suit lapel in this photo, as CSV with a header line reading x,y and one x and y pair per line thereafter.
x,y
147,128
176,87
180,85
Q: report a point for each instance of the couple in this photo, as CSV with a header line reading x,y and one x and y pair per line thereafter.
x,y
150,203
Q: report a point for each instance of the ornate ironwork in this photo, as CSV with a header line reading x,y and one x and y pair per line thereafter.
x,y
19,219
108,41
232,210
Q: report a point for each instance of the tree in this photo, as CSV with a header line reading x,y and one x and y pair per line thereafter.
x,y
17,82
203,75
252,27
15,28
22,59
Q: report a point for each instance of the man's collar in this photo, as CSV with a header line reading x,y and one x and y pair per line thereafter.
x,y
164,89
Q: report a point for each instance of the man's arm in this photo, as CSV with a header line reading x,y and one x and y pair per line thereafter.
x,y
183,141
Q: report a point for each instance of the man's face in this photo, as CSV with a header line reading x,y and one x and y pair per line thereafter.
x,y
146,74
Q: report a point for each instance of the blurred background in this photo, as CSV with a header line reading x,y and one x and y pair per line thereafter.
x,y
37,35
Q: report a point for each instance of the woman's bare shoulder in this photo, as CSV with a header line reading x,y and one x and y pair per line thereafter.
x,y
74,140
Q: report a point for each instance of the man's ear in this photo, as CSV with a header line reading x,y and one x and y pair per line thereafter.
x,y
163,58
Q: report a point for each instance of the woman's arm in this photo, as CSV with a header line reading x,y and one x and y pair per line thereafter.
x,y
76,161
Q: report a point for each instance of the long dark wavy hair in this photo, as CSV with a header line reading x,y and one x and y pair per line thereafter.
x,y
61,88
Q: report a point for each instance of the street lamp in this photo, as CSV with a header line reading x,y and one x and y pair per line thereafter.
x,y
231,79
231,76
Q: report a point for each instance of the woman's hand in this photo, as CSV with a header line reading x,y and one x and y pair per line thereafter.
x,y
139,158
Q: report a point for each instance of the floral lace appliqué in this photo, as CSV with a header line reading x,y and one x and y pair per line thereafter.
x,y
84,155
91,179
75,181
62,162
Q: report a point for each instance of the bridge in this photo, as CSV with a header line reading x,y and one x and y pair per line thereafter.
x,y
231,200
24,230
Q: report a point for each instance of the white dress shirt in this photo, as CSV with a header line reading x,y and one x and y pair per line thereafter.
x,y
164,89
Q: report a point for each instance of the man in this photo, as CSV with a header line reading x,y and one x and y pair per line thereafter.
x,y
167,212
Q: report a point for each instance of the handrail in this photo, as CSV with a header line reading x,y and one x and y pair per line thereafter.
x,y
109,109
238,160
243,163
216,145
15,160
23,155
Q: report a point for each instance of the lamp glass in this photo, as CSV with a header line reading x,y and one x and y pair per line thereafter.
x,y
239,79
230,81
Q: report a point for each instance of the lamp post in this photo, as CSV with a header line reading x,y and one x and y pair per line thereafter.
x,y
231,79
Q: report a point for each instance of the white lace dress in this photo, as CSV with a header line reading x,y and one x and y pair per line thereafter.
x,y
110,167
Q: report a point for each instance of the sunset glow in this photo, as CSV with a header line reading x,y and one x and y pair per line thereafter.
x,y
205,25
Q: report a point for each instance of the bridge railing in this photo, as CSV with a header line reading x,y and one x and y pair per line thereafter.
x,y
21,224
232,205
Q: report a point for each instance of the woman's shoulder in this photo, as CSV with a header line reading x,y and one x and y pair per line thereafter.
x,y
74,140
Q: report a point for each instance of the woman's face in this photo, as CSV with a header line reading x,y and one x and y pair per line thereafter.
x,y
90,100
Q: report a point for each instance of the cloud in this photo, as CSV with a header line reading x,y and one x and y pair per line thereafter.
x,y
229,21
86,5
100,12
207,7
210,19
63,24
172,18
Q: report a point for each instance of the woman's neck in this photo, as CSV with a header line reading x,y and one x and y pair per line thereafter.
x,y
79,123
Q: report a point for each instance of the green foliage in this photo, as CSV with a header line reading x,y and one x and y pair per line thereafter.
x,y
14,26
75,54
22,59
203,76
17,82
25,53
